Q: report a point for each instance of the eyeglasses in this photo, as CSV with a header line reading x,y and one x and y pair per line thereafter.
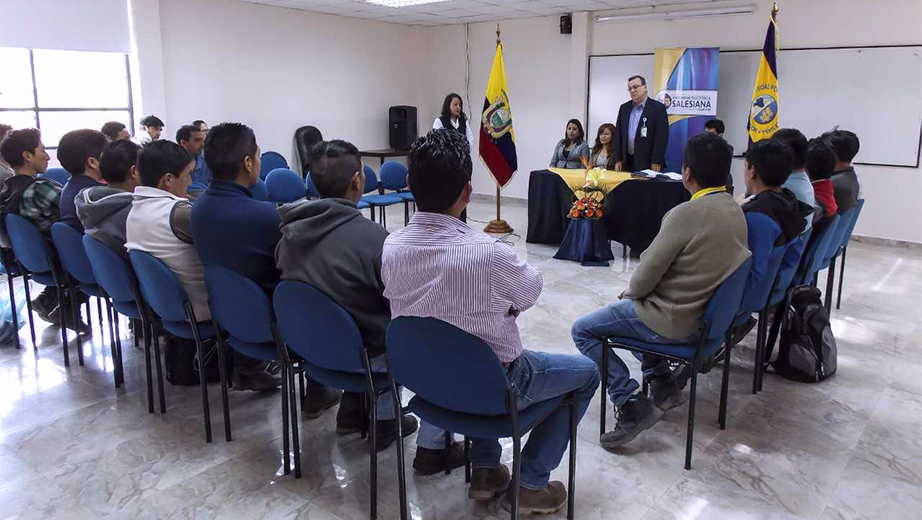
x,y
635,87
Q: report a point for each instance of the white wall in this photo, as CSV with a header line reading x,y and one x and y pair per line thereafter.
x,y
547,86
277,69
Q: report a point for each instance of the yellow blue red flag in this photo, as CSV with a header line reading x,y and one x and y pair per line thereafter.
x,y
763,114
497,138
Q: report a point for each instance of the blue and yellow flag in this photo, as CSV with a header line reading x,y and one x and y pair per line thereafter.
x,y
497,138
763,114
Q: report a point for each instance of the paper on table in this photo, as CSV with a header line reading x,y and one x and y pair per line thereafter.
x,y
669,175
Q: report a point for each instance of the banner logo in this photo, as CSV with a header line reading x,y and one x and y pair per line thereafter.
x,y
689,102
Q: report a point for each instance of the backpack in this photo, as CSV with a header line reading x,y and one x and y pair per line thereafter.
x,y
807,348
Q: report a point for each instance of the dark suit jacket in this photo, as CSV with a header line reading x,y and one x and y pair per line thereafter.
x,y
647,150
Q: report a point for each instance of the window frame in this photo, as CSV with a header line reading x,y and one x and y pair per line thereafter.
x,y
37,110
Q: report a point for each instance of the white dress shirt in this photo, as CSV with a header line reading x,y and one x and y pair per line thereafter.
x,y
437,124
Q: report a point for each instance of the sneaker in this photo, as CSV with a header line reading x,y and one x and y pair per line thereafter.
x,y
487,482
546,501
258,382
387,430
635,416
318,400
666,393
430,462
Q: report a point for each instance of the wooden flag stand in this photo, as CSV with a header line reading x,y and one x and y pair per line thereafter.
x,y
499,225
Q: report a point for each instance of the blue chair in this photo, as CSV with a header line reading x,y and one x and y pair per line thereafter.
x,y
715,330
846,220
270,161
260,191
378,199
244,311
167,299
318,329
12,269
285,186
79,276
394,178
37,258
436,361
59,175
846,238
119,283
813,256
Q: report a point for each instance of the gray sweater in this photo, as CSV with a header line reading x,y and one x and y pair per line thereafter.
x,y
329,245
104,211
574,159
699,245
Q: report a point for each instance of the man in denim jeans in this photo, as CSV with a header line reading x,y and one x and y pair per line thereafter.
x,y
439,267
700,244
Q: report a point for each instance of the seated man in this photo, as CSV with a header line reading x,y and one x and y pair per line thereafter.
x,y
329,245
700,244
36,200
820,163
716,126
103,210
193,141
151,128
427,272
79,152
115,131
845,182
798,182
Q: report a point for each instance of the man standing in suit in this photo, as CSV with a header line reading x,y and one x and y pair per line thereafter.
x,y
642,130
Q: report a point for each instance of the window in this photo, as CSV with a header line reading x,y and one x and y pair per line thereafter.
x,y
60,91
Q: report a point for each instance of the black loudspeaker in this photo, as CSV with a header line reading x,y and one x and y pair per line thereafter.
x,y
566,24
402,126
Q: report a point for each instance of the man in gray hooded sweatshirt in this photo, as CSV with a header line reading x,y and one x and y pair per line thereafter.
x,y
328,244
103,210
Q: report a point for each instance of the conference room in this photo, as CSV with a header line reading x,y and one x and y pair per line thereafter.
x,y
460,259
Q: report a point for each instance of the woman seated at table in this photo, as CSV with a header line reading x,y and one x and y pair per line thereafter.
x,y
603,152
571,152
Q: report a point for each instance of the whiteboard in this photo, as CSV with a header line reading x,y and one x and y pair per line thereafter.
x,y
874,91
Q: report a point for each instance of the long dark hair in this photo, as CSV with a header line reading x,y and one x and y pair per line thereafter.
x,y
446,107
580,137
597,147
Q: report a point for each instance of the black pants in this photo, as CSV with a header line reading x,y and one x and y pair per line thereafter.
x,y
628,165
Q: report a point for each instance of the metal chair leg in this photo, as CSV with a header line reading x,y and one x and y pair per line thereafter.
x,y
401,468
763,322
447,451
373,505
72,298
467,460
61,306
725,383
516,473
295,440
841,277
285,367
26,284
13,310
159,365
200,348
759,355
222,370
112,348
689,440
148,332
98,312
830,285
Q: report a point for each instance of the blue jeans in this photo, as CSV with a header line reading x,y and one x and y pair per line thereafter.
x,y
539,376
619,319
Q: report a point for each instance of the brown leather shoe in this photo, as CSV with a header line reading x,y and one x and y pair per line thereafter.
x,y
487,482
544,502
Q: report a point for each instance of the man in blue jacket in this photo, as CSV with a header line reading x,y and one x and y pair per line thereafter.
x,y
232,229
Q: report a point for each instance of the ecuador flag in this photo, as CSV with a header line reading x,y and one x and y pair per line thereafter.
x,y
497,138
763,114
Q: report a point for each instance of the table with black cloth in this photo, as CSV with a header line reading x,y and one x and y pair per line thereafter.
x,y
633,210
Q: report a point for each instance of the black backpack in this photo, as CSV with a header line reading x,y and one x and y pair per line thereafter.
x,y
808,348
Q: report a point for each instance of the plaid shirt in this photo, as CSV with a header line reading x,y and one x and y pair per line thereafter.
x,y
40,203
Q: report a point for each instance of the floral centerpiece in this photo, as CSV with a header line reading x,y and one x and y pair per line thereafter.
x,y
590,199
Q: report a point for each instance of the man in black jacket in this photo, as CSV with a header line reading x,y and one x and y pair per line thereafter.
x,y
642,130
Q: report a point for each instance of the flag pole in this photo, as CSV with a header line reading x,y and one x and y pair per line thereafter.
x,y
499,225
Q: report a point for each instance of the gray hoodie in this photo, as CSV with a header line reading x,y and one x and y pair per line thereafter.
x,y
329,244
104,211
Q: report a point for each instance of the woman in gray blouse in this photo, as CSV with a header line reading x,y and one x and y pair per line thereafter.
x,y
603,151
571,152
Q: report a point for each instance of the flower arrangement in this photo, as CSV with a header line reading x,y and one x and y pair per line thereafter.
x,y
590,199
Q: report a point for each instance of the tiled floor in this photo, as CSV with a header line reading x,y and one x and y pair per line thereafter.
x,y
72,447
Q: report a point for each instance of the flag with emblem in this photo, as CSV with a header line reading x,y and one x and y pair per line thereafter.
x,y
763,114
497,138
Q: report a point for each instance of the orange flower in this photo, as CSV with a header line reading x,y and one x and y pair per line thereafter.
x,y
590,213
598,213
580,206
574,213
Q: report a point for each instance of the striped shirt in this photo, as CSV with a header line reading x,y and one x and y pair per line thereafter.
x,y
438,267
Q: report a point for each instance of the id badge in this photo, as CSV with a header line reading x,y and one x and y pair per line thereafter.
x,y
643,131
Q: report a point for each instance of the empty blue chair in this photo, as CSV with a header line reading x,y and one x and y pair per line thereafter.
x,y
378,199
835,247
60,175
319,330
242,308
69,244
846,238
394,178
436,360
284,186
35,256
118,282
260,191
270,161
167,299
715,330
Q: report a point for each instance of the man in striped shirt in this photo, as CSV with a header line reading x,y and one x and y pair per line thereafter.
x,y
438,267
